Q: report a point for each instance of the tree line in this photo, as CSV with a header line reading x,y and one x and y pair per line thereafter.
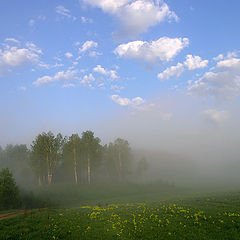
x,y
77,159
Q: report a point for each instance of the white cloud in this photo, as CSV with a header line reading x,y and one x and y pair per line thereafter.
x,y
31,22
18,56
126,101
43,80
64,12
121,101
191,63
111,73
68,55
94,54
31,46
86,20
13,40
12,56
163,49
22,88
116,88
216,116
59,76
137,101
100,69
88,45
101,85
194,62
135,16
87,80
219,57
232,54
172,71
77,44
229,63
222,84
109,6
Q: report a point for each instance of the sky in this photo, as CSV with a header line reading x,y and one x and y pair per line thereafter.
x,y
137,69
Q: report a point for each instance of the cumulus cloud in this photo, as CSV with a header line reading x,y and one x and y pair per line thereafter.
x,y
14,56
87,80
222,84
218,57
61,10
172,71
101,70
32,47
68,55
87,46
191,63
163,49
126,101
109,6
232,63
59,76
216,116
194,62
135,16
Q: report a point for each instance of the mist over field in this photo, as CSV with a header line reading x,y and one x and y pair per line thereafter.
x,y
119,119
187,147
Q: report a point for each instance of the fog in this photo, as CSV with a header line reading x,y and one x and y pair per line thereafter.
x,y
183,142
186,145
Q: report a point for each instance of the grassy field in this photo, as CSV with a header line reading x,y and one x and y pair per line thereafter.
x,y
212,216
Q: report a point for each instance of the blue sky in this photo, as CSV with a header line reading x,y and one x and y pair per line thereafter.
x,y
69,66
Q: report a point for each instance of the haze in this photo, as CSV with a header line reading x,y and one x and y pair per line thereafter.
x,y
167,81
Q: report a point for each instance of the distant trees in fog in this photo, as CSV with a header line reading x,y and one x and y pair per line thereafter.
x,y
46,152
77,159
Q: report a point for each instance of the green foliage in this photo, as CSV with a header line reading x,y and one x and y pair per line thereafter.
x,y
80,160
73,155
9,192
118,160
16,158
46,152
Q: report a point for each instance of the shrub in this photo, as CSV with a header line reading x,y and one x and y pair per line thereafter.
x,y
9,192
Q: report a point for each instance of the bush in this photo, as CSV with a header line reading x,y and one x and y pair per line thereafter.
x,y
9,192
30,200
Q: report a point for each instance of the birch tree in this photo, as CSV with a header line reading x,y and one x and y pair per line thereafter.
x,y
122,157
73,153
46,152
92,150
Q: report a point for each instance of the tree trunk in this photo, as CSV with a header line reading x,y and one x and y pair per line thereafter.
x,y
89,170
75,166
49,175
120,166
49,178
39,180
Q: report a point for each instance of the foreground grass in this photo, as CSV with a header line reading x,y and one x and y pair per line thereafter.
x,y
214,217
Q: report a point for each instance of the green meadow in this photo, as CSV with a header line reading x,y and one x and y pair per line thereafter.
x,y
133,212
